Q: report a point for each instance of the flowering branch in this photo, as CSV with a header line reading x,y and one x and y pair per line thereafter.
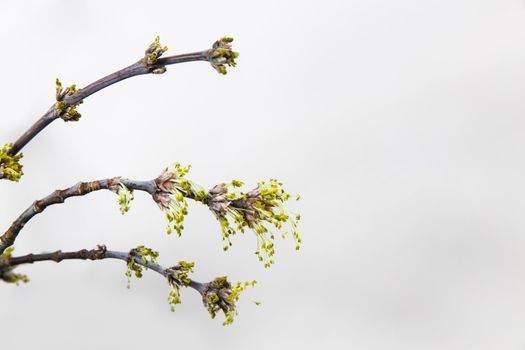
x,y
219,56
217,295
235,211
257,210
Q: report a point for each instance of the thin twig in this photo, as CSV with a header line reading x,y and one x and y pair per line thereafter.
x,y
138,68
100,253
217,295
59,196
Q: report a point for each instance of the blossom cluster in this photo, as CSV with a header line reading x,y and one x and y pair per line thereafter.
x,y
143,253
222,55
172,190
178,277
257,210
10,167
221,295
68,112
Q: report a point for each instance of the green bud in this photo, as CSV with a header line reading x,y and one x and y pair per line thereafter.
x,y
10,167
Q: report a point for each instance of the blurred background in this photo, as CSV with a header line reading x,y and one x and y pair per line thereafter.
x,y
399,122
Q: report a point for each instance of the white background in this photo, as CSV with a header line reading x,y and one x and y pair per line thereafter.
x,y
399,122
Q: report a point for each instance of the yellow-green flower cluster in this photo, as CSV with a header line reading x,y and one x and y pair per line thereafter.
x,y
220,295
62,110
174,297
10,167
143,253
6,273
8,253
154,51
125,196
173,189
178,276
257,210
222,55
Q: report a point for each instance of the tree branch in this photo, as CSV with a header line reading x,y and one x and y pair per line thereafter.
x,y
219,56
99,253
217,295
235,211
59,196
138,68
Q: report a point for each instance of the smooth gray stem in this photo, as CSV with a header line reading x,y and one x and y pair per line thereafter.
x,y
147,186
100,253
110,254
198,286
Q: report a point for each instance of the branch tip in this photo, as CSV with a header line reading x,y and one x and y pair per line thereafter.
x,y
221,295
222,55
